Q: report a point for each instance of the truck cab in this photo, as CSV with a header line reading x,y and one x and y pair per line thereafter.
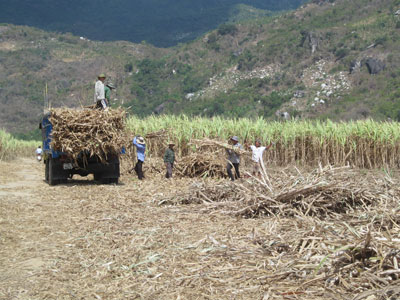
x,y
60,166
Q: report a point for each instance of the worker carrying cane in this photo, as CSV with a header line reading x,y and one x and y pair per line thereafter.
x,y
233,158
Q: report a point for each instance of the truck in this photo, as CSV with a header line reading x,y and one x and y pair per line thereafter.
x,y
60,166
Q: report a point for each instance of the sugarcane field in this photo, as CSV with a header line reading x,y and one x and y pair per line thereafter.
x,y
317,217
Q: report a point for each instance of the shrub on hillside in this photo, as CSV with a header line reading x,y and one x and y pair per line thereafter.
x,y
272,102
246,60
192,84
342,52
212,38
128,67
225,29
381,40
212,42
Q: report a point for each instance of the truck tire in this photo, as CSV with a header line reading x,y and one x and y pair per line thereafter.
x,y
46,171
52,171
109,181
113,181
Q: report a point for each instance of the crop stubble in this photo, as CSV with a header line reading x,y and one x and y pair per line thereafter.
x,y
207,239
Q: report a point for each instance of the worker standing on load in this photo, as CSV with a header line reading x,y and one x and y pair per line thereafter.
x,y
257,156
99,92
107,92
169,159
233,158
140,145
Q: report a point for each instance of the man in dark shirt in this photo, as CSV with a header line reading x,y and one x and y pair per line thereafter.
x,y
233,158
107,92
169,159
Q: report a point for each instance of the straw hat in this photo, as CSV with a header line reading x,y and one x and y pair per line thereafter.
x,y
140,140
102,75
171,143
111,85
235,138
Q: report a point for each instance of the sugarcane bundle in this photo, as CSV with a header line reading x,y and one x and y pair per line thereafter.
x,y
210,142
88,132
202,164
163,133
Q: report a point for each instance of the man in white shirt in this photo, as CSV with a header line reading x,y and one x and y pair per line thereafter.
x,y
39,152
257,156
99,94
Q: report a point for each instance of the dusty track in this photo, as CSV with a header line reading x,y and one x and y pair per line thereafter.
x,y
86,241
28,240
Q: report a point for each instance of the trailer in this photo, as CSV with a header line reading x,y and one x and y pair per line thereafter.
x,y
61,166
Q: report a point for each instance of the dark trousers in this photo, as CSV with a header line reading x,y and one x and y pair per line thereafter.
x,y
229,170
139,170
169,170
101,104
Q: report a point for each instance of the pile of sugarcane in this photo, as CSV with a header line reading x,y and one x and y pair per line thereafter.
x,y
88,132
201,164
319,194
208,160
334,230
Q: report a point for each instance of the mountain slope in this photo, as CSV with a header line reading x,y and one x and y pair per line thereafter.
x,y
296,64
31,58
160,22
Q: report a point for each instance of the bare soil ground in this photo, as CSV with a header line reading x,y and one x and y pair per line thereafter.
x,y
86,241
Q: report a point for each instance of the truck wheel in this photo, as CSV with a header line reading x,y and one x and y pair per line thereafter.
x,y
113,181
46,171
51,179
109,181
105,180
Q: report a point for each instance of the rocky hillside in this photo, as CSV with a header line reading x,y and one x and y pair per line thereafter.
x,y
30,59
328,59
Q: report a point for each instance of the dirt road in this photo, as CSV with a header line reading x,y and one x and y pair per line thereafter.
x,y
86,241
27,237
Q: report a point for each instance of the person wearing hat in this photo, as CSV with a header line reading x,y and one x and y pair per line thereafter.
x,y
169,159
257,156
39,153
140,145
99,95
107,92
233,158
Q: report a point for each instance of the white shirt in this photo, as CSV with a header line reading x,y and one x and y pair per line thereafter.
x,y
257,153
99,91
39,151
